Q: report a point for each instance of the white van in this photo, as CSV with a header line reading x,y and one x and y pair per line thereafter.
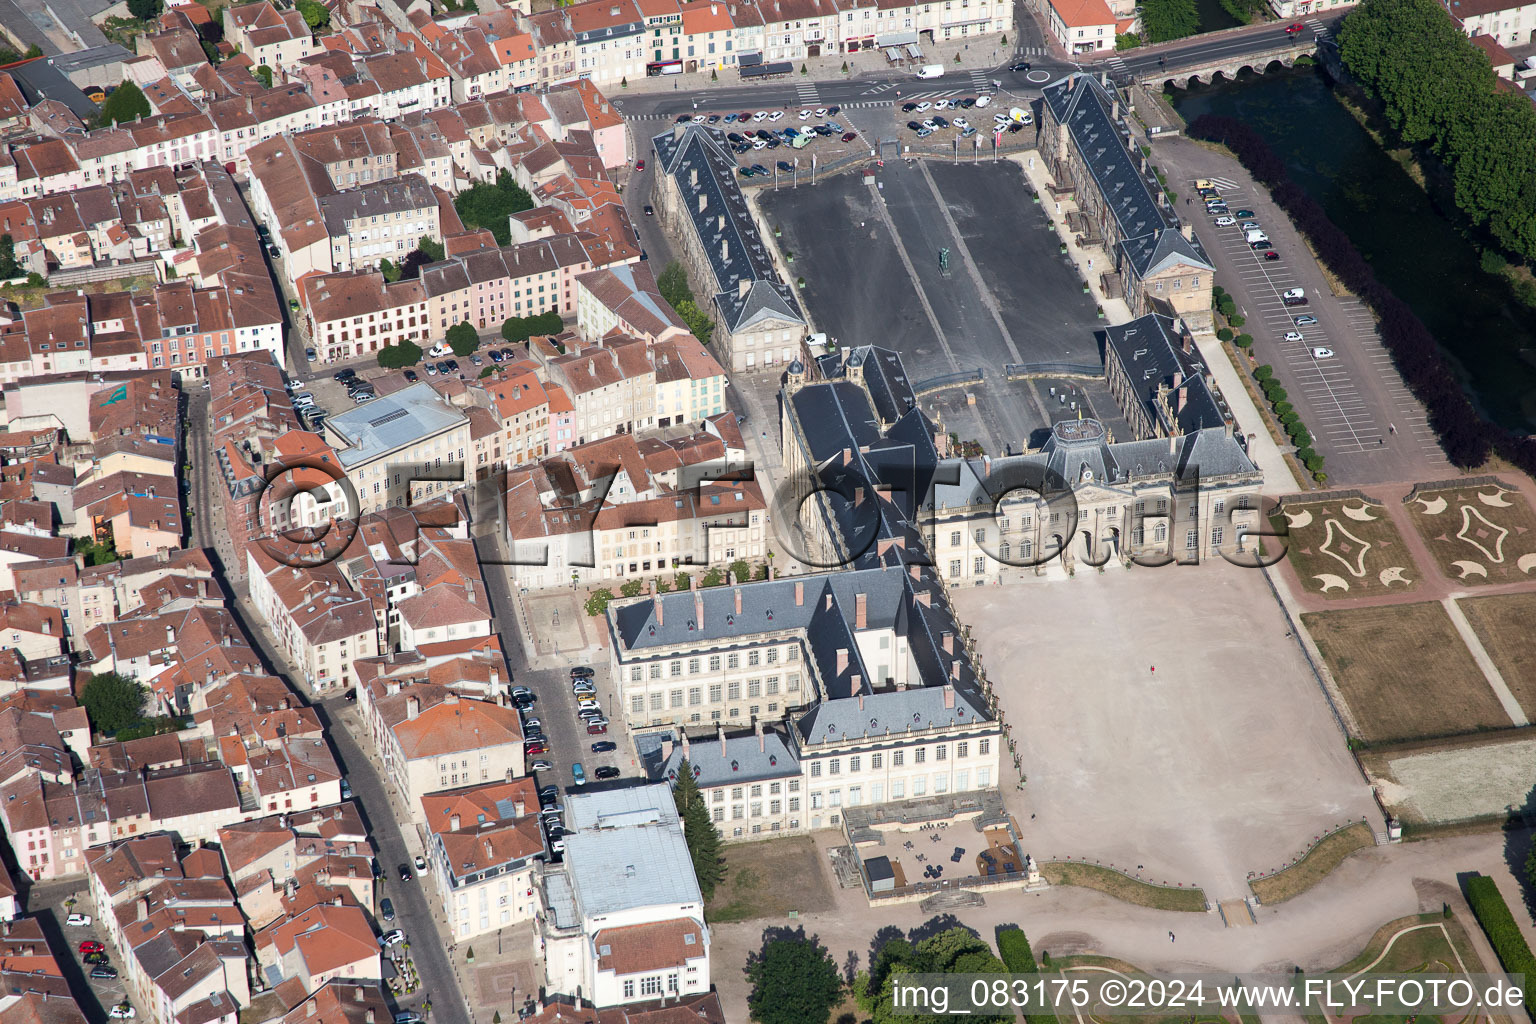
x,y
438,351
931,71
1255,235
1295,293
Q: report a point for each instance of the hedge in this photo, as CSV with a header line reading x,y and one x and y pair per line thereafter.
x,y
1466,437
1013,949
1503,933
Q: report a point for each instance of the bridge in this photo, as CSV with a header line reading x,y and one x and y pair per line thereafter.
x,y
1206,68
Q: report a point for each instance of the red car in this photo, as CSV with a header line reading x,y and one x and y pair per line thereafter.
x,y
597,728
91,946
1291,30
537,748
639,165
1272,256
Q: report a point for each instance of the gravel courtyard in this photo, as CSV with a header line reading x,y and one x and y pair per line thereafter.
x,y
1222,761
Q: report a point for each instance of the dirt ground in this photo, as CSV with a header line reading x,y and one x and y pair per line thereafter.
x,y
1405,672
1351,543
767,880
1479,535
1167,721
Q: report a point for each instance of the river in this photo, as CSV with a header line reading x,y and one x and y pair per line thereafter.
x,y
1423,256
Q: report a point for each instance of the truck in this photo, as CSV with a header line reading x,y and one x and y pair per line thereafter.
x,y
1255,235
931,71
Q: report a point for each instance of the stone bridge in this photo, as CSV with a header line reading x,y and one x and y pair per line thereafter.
x,y
1206,69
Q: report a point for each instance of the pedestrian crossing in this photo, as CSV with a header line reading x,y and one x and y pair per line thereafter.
x,y
806,92
979,81
1118,66
1318,28
1223,184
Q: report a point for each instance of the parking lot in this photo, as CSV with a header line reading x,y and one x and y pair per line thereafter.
x,y
954,267
1337,374
333,397
107,992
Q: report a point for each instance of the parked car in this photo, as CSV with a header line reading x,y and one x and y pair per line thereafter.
x,y
1300,300
776,115
392,937
310,354
1295,293
346,790
386,909
923,133
122,1011
1322,353
91,946
78,920
582,672
1294,336
907,108
924,105
607,771
431,369
1271,256
597,727
344,375
96,958
833,110
578,774
1245,213
407,1017
1249,225
969,133
540,766
961,122
849,136
1305,320
1261,245
410,378
104,973
405,872
535,747
730,118
1225,222
914,126
523,693
604,746
785,166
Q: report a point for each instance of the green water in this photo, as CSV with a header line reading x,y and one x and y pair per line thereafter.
x,y
1422,255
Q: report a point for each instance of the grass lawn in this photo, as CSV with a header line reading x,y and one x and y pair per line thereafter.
x,y
1405,672
1478,535
1121,887
1502,624
1423,949
1314,867
1328,546
769,879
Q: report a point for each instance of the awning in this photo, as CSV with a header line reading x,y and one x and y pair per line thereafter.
x,y
896,39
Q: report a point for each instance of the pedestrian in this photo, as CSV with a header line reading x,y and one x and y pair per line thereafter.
x,y
1154,670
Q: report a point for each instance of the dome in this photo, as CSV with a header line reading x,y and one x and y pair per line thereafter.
x,y
797,367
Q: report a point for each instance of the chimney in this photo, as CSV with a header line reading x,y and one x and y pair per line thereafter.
x,y
368,1017
1178,378
451,697
685,746
666,751
856,685
1188,231
721,731
693,178
725,251
762,744
738,600
742,287
860,612
1114,108
861,699
359,994
336,900
842,660
144,908
412,707
698,609
519,808
954,673
170,635
949,642
1173,444
703,201
453,823
828,605
656,603
799,593
1071,82
720,222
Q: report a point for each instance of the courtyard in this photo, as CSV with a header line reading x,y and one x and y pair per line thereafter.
x,y
1167,721
870,258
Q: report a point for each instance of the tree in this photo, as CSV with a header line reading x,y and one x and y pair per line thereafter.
x,y
146,10
1127,41
521,328
1162,20
462,338
740,570
316,15
488,206
794,981
8,267
699,831
389,270
96,554
264,74
432,250
712,577
598,602
127,103
113,702
393,357
632,588
410,267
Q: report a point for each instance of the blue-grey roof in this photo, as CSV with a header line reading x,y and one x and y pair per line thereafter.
x,y
703,171
627,850
746,758
391,422
1149,231
893,712
560,899
1150,350
886,378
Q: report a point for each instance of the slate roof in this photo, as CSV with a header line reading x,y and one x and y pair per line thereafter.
x,y
1149,232
744,258
1150,349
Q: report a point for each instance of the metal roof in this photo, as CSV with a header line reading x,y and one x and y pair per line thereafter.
x,y
391,422
627,850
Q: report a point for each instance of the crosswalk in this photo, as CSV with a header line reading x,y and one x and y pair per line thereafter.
x,y
979,80
806,92
1223,184
1118,66
1318,28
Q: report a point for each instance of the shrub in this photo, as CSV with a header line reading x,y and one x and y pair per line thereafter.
x,y
1281,408
597,604
1276,394
1225,334
1263,372
1303,454
1013,949
1243,340
1314,464
1288,417
1237,320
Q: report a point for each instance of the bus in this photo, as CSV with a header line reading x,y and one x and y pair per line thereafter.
x,y
656,69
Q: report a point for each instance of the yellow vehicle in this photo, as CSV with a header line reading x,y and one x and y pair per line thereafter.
x,y
96,96
1202,183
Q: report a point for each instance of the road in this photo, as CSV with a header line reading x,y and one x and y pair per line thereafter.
x,y
879,88
413,912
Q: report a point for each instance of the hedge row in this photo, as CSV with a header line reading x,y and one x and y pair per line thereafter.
x,y
1013,949
1503,933
1290,421
1467,438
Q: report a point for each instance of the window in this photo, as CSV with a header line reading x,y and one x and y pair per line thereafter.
x,y
954,568
733,660
954,539
922,755
940,752
714,693
733,690
898,789
853,764
695,696
693,666
650,986
836,766
629,988
676,699
1216,535
980,565
676,668
898,758
984,747
815,769
875,761
714,663
962,749
656,699
754,688
1191,540
753,658
637,704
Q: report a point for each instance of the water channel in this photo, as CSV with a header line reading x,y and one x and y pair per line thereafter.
x,y
1416,251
